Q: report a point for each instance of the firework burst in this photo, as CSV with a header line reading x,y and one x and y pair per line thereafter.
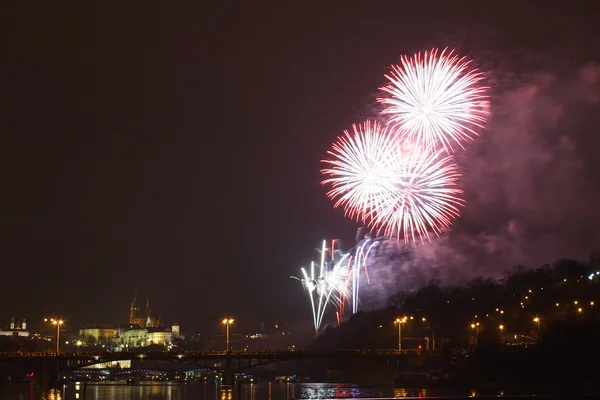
x,y
398,177
425,197
435,99
397,189
361,169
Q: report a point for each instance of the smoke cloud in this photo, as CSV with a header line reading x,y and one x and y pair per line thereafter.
x,y
531,183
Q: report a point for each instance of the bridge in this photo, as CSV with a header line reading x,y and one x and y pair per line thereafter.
x,y
235,361
78,360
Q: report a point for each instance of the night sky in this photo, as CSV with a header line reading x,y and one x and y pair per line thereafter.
x,y
177,150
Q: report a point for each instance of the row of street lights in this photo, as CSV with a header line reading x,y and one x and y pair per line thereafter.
x,y
475,326
228,321
399,321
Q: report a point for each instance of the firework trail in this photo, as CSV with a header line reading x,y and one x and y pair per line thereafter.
x,y
361,255
435,99
331,279
396,188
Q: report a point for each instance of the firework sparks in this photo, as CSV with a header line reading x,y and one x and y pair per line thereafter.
x,y
398,178
361,255
435,98
329,286
362,169
425,197
398,190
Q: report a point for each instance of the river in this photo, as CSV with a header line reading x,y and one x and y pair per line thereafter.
x,y
261,391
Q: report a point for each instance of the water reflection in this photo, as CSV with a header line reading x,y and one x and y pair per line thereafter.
x,y
318,391
226,393
333,391
53,394
209,391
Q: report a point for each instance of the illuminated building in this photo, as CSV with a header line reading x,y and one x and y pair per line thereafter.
x,y
110,364
18,329
145,321
133,336
175,330
99,333
261,334
159,336
141,331
256,336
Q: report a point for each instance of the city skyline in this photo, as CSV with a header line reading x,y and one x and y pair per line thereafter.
x,y
169,153
143,318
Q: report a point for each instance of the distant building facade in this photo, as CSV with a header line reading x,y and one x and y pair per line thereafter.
x,y
159,336
175,331
99,333
132,336
15,329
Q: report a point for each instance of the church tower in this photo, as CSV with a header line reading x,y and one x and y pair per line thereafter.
x,y
12,323
133,308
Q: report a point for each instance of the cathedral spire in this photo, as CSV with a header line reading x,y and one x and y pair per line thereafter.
x,y
133,308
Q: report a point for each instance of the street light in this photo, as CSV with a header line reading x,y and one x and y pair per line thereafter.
x,y
537,321
432,332
475,327
501,327
58,323
399,322
227,322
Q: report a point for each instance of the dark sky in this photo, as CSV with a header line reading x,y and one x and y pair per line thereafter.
x,y
177,150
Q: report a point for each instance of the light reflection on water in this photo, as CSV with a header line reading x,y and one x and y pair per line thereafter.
x,y
208,391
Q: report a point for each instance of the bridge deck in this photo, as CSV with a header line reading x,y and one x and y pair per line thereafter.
x,y
209,355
